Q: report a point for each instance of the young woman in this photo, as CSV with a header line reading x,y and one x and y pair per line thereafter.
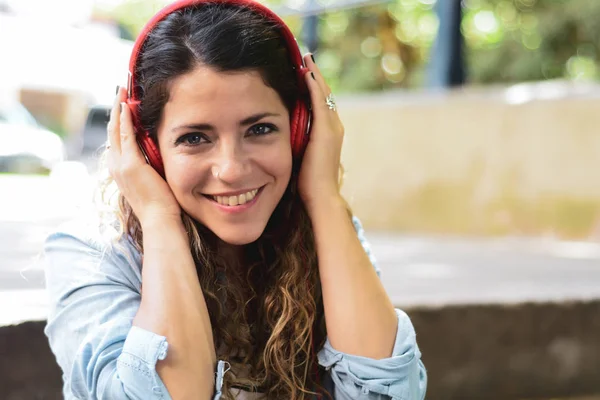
x,y
234,268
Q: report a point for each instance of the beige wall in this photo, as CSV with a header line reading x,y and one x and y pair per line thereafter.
x,y
472,163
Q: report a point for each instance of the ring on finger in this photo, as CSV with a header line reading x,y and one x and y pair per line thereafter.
x,y
330,100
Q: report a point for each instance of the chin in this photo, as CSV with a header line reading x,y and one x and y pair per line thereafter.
x,y
236,236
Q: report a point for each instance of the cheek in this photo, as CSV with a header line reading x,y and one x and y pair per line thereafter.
x,y
279,160
183,174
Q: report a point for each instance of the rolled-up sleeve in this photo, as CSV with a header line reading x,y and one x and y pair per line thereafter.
x,y
399,377
94,296
221,371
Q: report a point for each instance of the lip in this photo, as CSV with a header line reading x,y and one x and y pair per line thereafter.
x,y
239,208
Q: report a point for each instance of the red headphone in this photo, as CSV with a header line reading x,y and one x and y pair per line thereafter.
x,y
299,118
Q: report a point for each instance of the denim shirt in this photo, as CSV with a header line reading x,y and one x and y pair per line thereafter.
x,y
95,292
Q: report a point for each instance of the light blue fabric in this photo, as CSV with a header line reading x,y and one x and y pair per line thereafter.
x,y
95,291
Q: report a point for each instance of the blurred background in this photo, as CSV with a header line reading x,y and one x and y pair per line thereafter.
x,y
472,157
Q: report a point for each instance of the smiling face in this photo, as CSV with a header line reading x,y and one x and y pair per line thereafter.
x,y
224,138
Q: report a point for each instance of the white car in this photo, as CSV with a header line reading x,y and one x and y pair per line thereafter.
x,y
25,145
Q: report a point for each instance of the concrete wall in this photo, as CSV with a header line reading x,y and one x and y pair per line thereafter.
x,y
522,160
489,352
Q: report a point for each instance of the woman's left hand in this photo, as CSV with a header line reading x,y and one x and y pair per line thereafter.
x,y
319,174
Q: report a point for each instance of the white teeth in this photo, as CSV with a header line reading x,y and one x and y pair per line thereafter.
x,y
236,200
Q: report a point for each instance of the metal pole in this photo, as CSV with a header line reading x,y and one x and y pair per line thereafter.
x,y
447,68
310,28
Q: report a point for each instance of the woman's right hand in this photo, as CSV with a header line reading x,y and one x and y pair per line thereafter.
x,y
146,191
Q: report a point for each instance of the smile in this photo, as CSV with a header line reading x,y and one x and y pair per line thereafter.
x,y
236,200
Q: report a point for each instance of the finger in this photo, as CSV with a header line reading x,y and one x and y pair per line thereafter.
x,y
111,163
317,97
113,127
309,61
129,146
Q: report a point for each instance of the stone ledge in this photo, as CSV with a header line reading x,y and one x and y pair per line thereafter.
x,y
28,369
530,350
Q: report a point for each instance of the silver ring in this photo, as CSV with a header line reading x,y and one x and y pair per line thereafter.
x,y
330,100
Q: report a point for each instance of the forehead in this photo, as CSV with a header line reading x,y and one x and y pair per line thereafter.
x,y
207,89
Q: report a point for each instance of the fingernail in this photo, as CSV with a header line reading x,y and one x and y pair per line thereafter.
x,y
117,92
313,76
312,58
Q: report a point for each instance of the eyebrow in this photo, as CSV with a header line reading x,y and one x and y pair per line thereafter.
x,y
206,127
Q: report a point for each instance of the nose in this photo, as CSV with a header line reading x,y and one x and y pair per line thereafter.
x,y
231,164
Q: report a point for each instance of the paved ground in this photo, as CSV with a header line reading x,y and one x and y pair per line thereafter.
x,y
425,271
436,271
30,207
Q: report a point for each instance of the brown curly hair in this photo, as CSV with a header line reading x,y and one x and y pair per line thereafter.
x,y
267,315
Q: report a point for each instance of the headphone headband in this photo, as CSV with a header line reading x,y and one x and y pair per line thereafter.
x,y
293,49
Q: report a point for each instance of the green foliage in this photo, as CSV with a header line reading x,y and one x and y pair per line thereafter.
x,y
507,41
387,45
522,40
377,47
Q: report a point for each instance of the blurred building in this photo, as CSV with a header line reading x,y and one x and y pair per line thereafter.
x,y
58,68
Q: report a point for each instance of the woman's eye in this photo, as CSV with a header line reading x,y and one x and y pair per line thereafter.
x,y
192,139
262,129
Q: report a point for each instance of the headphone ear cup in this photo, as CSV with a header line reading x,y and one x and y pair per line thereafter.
x,y
300,128
294,129
151,152
145,142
